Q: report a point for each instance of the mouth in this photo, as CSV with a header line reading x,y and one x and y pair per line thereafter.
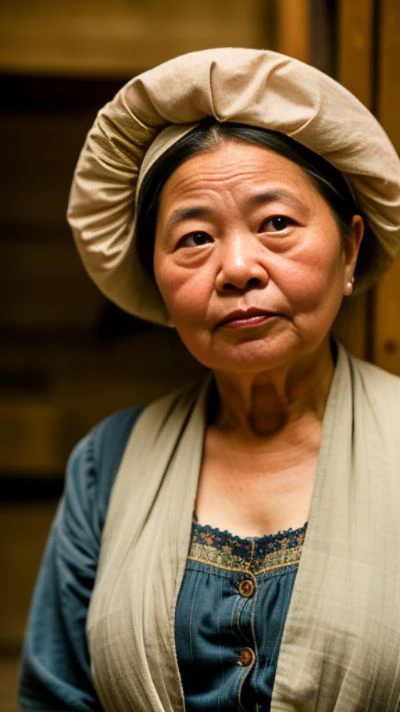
x,y
245,318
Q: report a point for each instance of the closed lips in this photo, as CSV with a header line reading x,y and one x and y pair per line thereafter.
x,y
241,315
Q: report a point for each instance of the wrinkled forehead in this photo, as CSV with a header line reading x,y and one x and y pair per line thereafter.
x,y
238,175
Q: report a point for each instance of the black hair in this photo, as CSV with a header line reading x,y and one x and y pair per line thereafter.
x,y
208,135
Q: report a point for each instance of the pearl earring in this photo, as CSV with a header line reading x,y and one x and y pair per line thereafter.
x,y
348,288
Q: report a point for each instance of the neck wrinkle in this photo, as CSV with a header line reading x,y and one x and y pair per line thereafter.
x,y
265,404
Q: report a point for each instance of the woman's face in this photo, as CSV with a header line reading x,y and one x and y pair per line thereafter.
x,y
248,259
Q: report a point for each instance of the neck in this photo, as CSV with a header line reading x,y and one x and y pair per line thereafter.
x,y
265,403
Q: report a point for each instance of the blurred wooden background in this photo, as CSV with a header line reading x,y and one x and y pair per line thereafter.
x,y
68,358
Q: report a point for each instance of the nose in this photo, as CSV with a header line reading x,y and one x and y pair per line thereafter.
x,y
242,266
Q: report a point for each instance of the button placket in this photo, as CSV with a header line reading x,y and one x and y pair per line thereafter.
x,y
247,588
246,657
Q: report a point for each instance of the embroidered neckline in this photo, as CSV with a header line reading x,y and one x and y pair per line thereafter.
x,y
258,554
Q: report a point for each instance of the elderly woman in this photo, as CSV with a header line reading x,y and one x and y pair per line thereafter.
x,y
232,546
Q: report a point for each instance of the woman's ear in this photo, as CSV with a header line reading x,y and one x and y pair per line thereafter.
x,y
352,246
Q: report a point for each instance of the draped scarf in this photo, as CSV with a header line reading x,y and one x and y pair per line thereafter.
x,y
340,648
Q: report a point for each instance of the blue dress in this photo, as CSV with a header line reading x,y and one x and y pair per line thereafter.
x,y
230,611
230,615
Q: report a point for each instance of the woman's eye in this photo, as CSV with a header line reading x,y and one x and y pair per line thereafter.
x,y
194,239
276,223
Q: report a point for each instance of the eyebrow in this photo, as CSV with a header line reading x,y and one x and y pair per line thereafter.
x,y
270,195
202,211
191,212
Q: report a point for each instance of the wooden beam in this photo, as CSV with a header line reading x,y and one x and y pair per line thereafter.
x,y
355,47
101,38
355,54
293,28
387,311
388,105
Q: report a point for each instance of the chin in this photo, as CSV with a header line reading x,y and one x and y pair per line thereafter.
x,y
248,358
265,354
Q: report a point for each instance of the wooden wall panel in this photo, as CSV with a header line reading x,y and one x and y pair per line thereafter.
x,y
387,321
23,531
388,104
351,325
293,28
355,47
387,309
43,283
103,38
9,674
39,151
355,53
30,435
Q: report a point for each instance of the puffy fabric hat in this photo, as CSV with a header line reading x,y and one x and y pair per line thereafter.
x,y
255,87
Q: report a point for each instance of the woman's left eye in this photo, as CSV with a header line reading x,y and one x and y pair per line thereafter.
x,y
276,223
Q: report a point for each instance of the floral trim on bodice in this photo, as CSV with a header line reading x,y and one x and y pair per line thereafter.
x,y
251,554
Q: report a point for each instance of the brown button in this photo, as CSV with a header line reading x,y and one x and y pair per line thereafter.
x,y
246,588
246,656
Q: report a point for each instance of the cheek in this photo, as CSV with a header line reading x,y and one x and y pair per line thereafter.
x,y
186,295
187,301
315,279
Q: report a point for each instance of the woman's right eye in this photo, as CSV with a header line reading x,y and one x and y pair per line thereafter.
x,y
194,239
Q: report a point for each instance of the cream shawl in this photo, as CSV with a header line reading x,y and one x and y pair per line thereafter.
x,y
341,643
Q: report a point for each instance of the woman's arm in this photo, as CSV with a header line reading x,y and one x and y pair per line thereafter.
x,y
55,672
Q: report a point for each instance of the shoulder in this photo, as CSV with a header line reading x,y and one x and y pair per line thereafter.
x,y
106,442
375,379
378,392
94,462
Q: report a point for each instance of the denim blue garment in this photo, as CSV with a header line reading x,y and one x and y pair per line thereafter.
x,y
214,622
230,616
55,669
